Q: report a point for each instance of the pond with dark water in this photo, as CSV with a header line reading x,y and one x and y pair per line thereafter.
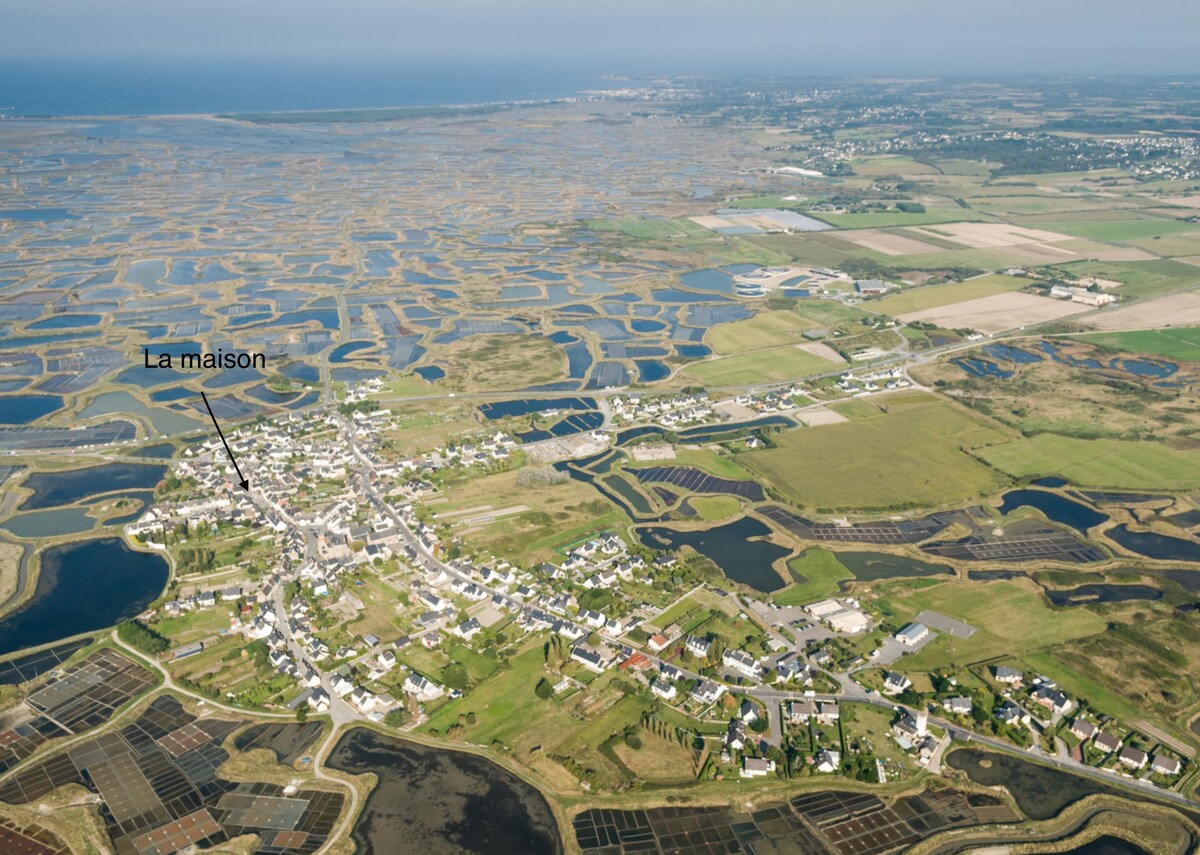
x,y
870,566
1056,508
84,586
1101,593
434,800
731,547
1154,545
64,488
23,409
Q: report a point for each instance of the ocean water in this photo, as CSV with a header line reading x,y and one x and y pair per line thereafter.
x,y
40,88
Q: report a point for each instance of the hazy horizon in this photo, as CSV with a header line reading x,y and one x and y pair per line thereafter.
x,y
623,36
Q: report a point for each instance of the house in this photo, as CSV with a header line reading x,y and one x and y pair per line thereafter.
x,y
1011,676
912,634
697,646
828,761
1052,699
742,662
747,712
958,706
1132,757
894,683
341,685
589,658
1083,729
657,642
735,736
1009,713
468,629
1106,742
828,712
757,767
799,712
1164,765
421,687
663,689
706,691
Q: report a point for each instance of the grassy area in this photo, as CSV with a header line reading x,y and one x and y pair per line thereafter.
x,y
1098,462
761,366
711,508
919,299
552,515
1011,617
714,463
1119,230
503,362
764,330
821,571
1181,343
642,228
911,456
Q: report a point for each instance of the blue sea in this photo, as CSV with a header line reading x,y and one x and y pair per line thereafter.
x,y
39,88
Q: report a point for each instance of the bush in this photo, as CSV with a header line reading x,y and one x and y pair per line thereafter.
x,y
544,689
633,741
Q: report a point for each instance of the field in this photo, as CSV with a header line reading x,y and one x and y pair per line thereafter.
x,y
1011,617
1172,310
997,313
508,711
711,508
882,219
553,515
1114,463
760,366
1181,343
721,465
822,571
764,330
911,456
920,299
1121,230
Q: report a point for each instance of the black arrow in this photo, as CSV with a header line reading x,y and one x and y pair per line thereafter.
x,y
244,484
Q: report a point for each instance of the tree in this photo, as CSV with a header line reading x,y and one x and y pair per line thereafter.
x,y
544,689
302,713
397,717
455,676
141,637
633,741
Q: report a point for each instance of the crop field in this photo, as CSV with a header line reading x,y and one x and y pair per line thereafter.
x,y
1178,309
1012,618
919,299
911,456
996,313
882,219
760,366
1114,463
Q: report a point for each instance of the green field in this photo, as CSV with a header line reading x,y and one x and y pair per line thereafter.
x,y
763,330
1181,343
918,299
1120,230
760,366
1115,463
911,456
822,571
1012,618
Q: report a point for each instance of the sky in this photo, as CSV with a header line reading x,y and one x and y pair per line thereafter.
x,y
622,36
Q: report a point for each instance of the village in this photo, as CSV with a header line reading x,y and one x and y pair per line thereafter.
x,y
355,602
